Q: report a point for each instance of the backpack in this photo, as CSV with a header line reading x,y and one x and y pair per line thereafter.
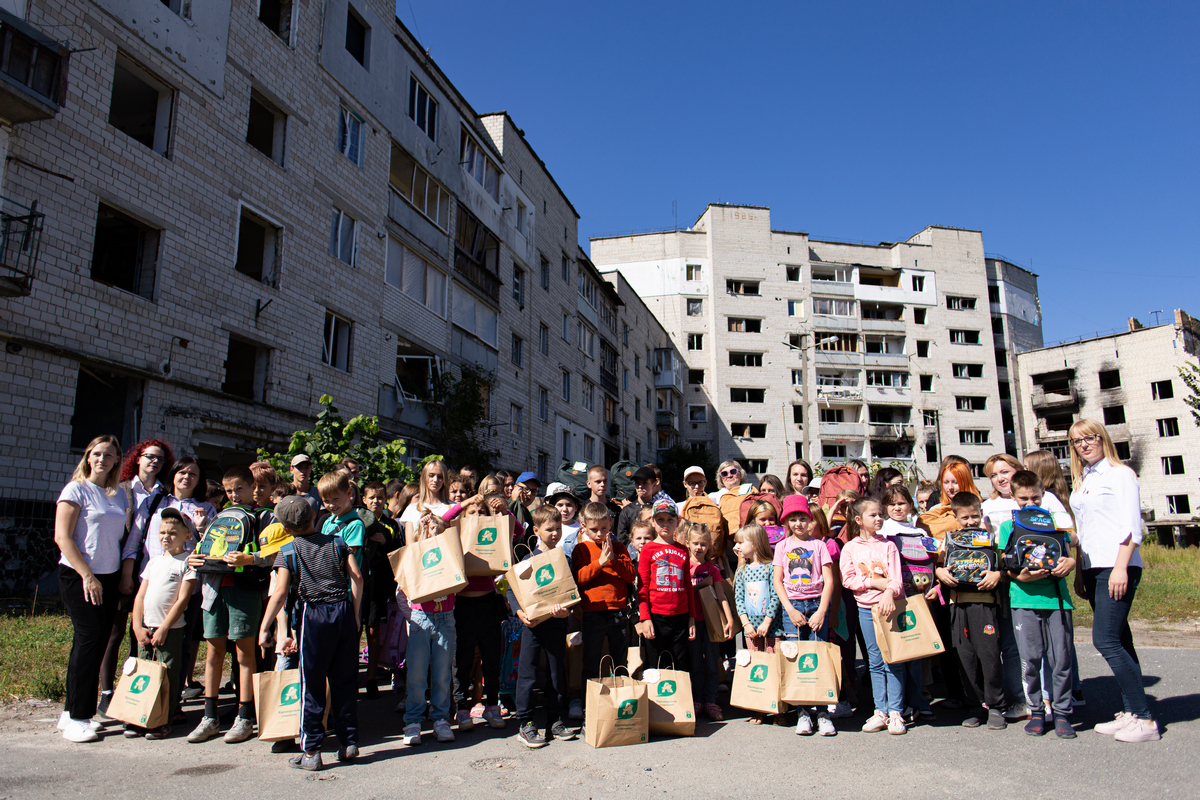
x,y
731,511
574,475
1036,542
620,481
748,501
916,560
837,480
970,552
703,511
233,529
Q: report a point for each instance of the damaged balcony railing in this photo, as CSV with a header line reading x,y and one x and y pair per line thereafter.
x,y
20,241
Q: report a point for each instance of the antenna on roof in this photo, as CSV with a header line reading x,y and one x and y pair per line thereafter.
x,y
1156,313
675,213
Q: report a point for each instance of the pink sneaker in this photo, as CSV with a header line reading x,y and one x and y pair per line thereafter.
x,y
1119,723
1139,730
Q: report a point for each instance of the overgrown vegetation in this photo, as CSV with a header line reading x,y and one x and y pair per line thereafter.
x,y
458,417
1169,591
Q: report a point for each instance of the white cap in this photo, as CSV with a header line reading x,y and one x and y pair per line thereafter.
x,y
693,471
559,488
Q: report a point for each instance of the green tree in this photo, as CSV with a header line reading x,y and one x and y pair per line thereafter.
x,y
458,414
333,439
1190,373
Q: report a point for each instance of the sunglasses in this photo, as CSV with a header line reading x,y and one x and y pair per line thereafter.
x,y
729,473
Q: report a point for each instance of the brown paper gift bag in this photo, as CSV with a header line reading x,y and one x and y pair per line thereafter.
x,y
430,567
714,615
810,673
670,694
142,696
756,683
542,582
616,712
279,705
633,658
909,634
486,544
575,661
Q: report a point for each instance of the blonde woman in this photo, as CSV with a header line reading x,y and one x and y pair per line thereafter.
x,y
89,529
432,498
1107,505
732,480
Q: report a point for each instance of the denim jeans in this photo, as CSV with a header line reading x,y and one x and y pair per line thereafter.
x,y
805,633
431,642
1113,639
887,680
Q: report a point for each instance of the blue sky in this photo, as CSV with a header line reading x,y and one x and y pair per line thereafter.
x,y
1069,133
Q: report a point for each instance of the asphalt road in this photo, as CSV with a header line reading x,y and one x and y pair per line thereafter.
x,y
730,759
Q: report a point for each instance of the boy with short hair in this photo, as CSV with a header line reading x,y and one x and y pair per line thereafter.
x,y
163,596
232,609
379,582
597,484
648,485
641,533
548,637
924,492
667,604
329,587
603,572
265,481
337,493
975,626
1041,612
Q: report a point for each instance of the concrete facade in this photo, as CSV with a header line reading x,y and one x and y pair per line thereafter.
x,y
801,348
1130,382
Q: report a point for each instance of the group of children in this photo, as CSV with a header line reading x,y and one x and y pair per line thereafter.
x,y
307,588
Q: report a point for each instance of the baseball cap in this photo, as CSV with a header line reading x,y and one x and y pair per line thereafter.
x,y
294,512
556,491
300,459
526,477
795,504
645,474
693,471
175,513
666,507
273,538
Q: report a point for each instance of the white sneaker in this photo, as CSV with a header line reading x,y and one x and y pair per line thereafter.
x,y
1016,712
65,717
825,725
896,724
1119,723
840,710
442,732
877,722
804,725
79,730
412,735
576,709
1139,730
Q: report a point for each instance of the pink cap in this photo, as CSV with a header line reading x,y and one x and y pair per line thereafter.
x,y
795,504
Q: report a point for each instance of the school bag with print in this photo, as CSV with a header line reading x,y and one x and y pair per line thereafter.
x,y
233,529
1036,542
916,559
970,553
703,511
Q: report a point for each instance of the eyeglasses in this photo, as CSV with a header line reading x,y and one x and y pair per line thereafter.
x,y
152,457
728,473
1091,438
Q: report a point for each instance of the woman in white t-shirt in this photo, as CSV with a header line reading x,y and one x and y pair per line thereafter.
x,y
89,528
431,498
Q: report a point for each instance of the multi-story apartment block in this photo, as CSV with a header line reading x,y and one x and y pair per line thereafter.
x,y
1130,382
249,205
1016,327
800,348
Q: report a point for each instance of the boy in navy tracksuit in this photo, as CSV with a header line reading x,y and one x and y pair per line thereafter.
x,y
329,587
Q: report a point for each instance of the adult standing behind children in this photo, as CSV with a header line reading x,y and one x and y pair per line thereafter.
x,y
302,481
89,524
1107,505
648,485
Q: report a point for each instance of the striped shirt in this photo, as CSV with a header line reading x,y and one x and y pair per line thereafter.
x,y
320,567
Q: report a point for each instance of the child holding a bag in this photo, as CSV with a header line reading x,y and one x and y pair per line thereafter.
x,y
666,602
754,594
870,568
706,658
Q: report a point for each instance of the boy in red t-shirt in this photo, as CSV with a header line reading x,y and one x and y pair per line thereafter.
x,y
666,601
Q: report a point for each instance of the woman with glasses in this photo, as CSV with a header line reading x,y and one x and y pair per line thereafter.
x,y
731,478
144,493
1107,503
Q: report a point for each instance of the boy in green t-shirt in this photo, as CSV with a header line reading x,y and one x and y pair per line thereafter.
x,y
1041,613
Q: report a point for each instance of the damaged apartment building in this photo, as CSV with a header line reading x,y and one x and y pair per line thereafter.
x,y
243,206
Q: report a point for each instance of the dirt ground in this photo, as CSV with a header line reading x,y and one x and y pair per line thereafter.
x,y
1156,634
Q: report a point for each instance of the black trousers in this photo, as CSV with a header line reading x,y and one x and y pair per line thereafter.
x,y
671,639
329,652
598,626
477,622
948,661
975,630
549,638
92,625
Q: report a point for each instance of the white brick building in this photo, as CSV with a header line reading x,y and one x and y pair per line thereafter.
x,y
270,201
800,348
1130,382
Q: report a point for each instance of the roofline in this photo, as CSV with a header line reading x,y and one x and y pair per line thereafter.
x,y
1113,335
520,131
948,228
606,287
1003,260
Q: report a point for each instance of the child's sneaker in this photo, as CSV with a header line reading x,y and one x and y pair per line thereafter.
x,y
877,723
561,732
102,706
493,716
348,754
412,735
207,729
133,732
161,732
1017,712
575,710
1063,728
305,761
896,724
242,730
529,736
462,720
79,731
714,712
1119,723
996,720
975,718
442,732
1036,725
839,710
804,725
825,725
1139,730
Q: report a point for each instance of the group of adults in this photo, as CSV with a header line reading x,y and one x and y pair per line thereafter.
x,y
105,516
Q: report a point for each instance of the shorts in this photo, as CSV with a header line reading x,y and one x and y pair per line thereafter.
x,y
235,614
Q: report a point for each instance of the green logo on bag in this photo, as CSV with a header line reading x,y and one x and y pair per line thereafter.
x,y
139,684
290,694
627,709
666,688
809,663
758,674
432,558
937,645
544,575
487,536
907,621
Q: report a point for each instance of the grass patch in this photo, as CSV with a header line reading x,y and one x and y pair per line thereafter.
x,y
33,656
1169,591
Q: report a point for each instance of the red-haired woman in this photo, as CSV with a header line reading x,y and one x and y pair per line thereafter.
x,y
144,493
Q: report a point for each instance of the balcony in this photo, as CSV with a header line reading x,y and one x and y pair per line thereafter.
x,y
888,394
841,430
883,325
838,393
666,420
1044,432
1041,399
831,323
477,276
837,357
668,379
20,241
34,73
608,381
833,288
893,360
892,431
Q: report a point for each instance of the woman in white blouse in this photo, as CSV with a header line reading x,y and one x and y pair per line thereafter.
x,y
1107,504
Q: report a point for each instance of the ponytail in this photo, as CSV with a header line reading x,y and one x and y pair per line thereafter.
x,y
852,529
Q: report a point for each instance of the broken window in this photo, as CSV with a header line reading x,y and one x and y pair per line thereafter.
x,y
265,127
277,16
342,235
358,37
258,248
125,252
246,370
105,403
140,106
336,345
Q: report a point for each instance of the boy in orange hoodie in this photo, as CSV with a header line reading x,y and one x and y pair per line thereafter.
x,y
603,572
